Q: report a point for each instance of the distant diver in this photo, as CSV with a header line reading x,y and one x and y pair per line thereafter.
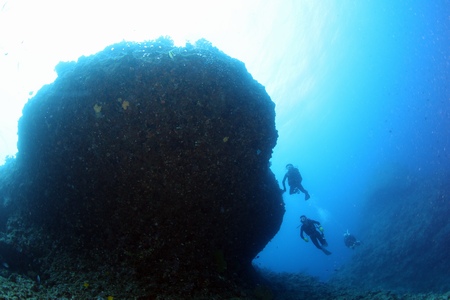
x,y
295,181
310,228
350,240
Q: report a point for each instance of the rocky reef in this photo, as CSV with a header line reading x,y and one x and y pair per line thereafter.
x,y
151,163
405,233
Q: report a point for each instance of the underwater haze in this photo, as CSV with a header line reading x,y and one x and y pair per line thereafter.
x,y
361,88
373,99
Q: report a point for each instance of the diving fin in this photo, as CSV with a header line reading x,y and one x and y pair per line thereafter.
x,y
326,251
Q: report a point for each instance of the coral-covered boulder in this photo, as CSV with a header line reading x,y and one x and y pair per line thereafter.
x,y
158,155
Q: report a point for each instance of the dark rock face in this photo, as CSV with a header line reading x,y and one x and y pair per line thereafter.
x,y
155,154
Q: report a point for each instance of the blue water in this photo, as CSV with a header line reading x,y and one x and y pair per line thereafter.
x,y
379,100
361,89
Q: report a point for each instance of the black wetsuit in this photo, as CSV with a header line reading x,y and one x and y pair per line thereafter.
x,y
309,228
350,241
295,182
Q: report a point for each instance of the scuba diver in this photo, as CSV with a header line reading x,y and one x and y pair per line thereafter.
x,y
295,181
310,228
350,241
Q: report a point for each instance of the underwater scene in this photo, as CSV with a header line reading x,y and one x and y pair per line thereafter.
x,y
225,150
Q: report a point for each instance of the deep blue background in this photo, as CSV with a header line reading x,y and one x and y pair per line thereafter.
x,y
361,89
380,102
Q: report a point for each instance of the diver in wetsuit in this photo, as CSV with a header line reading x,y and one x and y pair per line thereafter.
x,y
295,181
350,240
309,227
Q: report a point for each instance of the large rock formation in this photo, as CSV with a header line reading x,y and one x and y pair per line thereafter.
x,y
153,155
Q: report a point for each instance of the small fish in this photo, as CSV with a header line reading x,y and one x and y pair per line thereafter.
x,y
5,265
38,279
